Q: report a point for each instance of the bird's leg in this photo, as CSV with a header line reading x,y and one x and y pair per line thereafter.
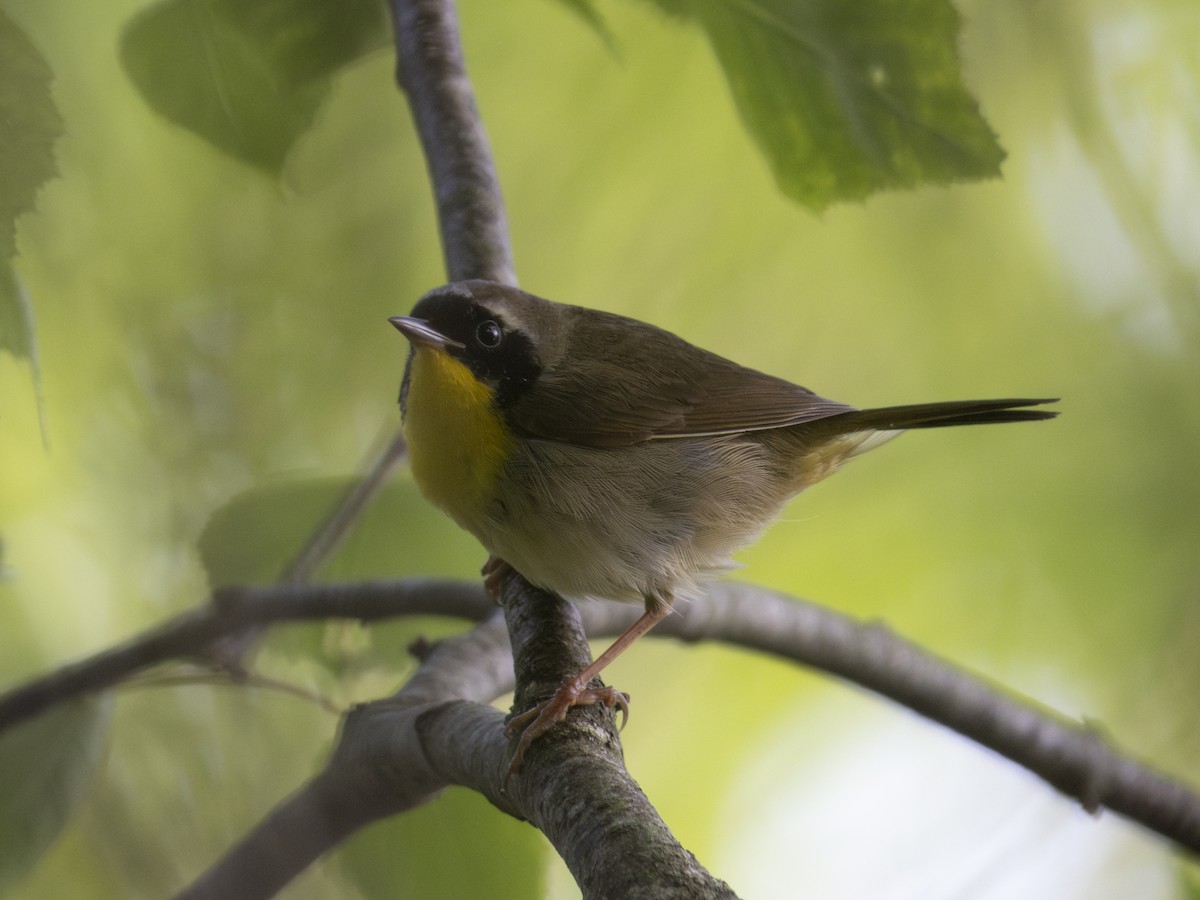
x,y
533,723
493,573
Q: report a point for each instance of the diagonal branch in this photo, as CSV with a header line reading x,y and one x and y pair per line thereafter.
x,y
378,769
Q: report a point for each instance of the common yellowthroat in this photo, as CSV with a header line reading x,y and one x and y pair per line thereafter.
x,y
601,456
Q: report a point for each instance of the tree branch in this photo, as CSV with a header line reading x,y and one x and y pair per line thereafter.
x,y
574,785
232,611
470,206
436,732
471,219
379,768
1071,757
545,630
396,753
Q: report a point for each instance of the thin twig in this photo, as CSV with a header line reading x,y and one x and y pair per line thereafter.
x,y
209,678
330,533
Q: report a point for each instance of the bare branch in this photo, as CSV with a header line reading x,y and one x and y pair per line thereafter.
x,y
471,219
397,753
470,207
1071,757
546,631
233,610
608,833
379,769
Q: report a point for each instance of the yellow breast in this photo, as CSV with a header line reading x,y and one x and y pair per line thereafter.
x,y
457,442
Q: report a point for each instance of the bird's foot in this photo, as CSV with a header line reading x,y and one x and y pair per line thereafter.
x,y
493,572
533,723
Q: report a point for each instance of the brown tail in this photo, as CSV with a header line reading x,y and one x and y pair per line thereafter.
x,y
938,415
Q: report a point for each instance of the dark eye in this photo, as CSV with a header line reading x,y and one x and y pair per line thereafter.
x,y
489,334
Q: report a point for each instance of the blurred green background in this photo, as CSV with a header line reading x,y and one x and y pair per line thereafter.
x,y
208,336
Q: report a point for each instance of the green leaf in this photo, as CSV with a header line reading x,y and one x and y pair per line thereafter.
x,y
45,768
457,846
247,77
252,538
846,99
17,335
29,126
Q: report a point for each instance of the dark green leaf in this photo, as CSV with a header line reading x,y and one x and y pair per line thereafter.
x,y
45,768
29,126
846,99
247,77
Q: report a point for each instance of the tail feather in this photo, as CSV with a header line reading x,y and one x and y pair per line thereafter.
x,y
828,443
938,415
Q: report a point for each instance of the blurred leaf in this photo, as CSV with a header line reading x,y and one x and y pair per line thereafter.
x,y
846,99
1189,884
16,318
586,10
45,767
17,336
29,126
252,537
457,846
247,77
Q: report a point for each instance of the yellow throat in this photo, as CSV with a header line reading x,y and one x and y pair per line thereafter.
x,y
457,442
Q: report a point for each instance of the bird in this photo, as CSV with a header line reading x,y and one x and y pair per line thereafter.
x,y
602,456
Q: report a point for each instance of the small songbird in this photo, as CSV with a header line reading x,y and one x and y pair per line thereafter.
x,y
600,456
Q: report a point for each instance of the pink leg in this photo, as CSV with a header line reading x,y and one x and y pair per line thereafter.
x,y
493,573
535,722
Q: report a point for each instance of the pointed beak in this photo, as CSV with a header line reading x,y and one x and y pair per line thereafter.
x,y
420,334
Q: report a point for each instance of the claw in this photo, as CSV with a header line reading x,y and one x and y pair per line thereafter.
x,y
535,722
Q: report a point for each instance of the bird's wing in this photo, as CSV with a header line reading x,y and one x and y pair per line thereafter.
x,y
626,385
